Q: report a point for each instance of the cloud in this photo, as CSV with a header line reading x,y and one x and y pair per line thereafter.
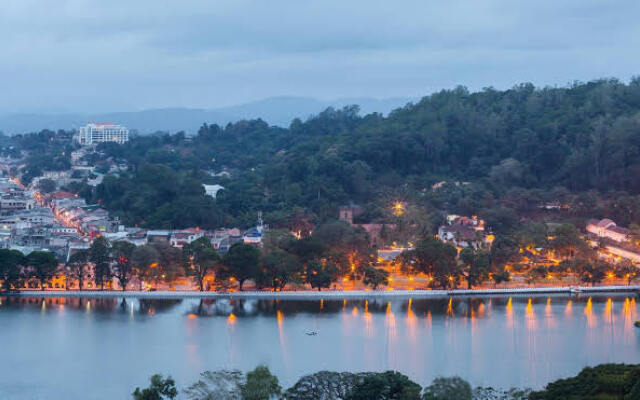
x,y
119,55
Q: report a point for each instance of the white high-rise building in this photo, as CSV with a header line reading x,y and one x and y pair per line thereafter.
x,y
99,133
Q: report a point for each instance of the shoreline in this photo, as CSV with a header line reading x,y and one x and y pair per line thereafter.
x,y
303,295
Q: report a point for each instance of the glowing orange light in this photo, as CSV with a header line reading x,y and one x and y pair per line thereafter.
x,y
192,316
231,319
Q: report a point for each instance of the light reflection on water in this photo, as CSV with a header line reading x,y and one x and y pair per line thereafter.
x,y
60,348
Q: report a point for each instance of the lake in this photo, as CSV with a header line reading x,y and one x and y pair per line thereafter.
x,y
102,348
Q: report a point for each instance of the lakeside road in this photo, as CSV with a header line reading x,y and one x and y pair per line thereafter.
x,y
328,294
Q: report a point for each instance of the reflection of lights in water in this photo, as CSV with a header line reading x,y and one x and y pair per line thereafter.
x,y
354,312
547,309
344,304
367,319
321,304
44,306
481,308
608,311
627,315
280,320
411,318
529,308
568,308
588,312
509,312
450,307
88,306
530,315
429,319
231,319
390,322
192,316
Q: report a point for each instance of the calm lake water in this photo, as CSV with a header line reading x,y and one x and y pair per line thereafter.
x,y
75,348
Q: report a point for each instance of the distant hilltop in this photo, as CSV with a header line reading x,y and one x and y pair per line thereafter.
x,y
278,111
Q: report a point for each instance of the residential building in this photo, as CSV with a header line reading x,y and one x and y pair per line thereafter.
x,y
463,232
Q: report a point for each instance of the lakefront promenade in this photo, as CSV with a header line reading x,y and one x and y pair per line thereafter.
x,y
327,294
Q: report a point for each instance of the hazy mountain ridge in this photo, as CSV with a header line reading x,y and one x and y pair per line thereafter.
x,y
275,110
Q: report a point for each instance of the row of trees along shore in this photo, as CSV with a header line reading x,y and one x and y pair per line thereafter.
x,y
606,381
335,252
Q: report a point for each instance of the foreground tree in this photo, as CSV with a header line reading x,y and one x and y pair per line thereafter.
x,y
242,262
159,389
606,381
76,267
385,385
260,384
217,385
453,388
11,262
43,265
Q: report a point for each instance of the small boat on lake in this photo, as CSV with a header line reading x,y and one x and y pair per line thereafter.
x,y
636,324
311,333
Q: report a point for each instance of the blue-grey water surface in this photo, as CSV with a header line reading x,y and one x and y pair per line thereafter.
x,y
72,348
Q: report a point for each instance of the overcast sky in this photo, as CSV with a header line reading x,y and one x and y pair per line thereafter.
x,y
119,55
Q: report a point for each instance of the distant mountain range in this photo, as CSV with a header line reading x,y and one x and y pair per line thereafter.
x,y
275,111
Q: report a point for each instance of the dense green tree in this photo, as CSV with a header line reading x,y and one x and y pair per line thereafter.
x,y
627,271
320,274
606,381
260,384
43,265
279,267
375,277
11,263
160,389
476,266
453,388
46,185
77,267
389,385
122,267
145,260
200,259
242,262
504,250
99,255
435,259
567,242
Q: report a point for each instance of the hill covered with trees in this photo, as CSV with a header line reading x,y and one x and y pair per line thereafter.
x,y
513,149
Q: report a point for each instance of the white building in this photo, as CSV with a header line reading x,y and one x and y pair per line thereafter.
x,y
99,133
212,190
606,228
